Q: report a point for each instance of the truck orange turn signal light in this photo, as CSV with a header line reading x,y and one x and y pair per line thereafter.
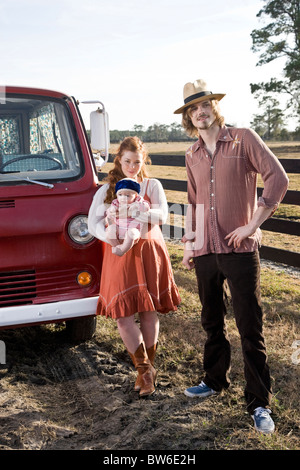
x,y
84,279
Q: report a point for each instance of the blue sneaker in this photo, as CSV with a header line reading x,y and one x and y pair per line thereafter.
x,y
263,421
200,391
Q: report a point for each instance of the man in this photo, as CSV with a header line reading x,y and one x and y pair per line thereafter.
x,y
223,223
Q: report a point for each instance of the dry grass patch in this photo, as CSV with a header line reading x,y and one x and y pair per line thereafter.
x,y
182,341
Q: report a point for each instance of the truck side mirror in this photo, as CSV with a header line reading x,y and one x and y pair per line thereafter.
x,y
100,139
100,134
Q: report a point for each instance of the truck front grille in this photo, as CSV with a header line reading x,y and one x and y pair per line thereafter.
x,y
34,287
7,204
17,288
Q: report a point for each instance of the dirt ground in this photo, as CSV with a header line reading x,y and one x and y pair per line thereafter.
x,y
57,395
60,396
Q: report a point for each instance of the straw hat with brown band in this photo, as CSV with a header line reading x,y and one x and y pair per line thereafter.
x,y
196,92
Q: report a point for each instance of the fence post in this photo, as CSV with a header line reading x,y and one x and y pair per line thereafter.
x,y
2,352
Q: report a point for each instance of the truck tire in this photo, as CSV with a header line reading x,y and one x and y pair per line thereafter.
x,y
81,329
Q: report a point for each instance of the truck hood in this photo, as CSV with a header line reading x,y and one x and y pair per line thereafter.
x,y
22,216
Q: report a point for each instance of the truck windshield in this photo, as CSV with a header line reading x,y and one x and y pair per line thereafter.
x,y
36,140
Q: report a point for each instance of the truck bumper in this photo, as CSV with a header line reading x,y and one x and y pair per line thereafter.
x,y
52,312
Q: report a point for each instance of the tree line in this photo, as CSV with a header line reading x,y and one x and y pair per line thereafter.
x,y
154,133
269,125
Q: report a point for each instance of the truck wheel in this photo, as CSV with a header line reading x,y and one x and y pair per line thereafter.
x,y
81,329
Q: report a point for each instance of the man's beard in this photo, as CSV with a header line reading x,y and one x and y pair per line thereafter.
x,y
205,125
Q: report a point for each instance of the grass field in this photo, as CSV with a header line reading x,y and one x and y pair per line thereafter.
x,y
173,421
281,304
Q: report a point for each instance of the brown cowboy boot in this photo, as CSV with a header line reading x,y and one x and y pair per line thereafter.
x,y
137,385
146,372
151,352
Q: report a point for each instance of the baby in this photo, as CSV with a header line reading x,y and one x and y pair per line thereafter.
x,y
121,216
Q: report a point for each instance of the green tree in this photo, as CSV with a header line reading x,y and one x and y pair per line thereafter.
x,y
138,130
269,124
157,133
280,38
176,133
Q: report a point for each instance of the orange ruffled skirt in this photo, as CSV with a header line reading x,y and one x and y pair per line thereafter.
x,y
139,281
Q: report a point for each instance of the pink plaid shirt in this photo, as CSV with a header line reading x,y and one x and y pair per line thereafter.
x,y
222,190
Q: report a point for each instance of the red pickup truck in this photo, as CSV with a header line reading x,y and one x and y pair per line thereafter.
x,y
50,266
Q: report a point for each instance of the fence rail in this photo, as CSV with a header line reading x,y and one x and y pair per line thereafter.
x,y
273,224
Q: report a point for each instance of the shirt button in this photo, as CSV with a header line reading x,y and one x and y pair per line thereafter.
x,y
212,208
211,181
211,166
212,194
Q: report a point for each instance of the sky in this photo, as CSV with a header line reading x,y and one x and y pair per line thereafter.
x,y
135,55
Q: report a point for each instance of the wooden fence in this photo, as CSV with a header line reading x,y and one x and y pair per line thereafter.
x,y
273,224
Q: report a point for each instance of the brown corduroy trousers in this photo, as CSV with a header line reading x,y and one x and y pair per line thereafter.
x,y
242,271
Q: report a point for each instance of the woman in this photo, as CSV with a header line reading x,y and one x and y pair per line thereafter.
x,y
141,281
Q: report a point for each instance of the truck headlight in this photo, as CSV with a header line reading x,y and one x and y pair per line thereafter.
x,y
78,230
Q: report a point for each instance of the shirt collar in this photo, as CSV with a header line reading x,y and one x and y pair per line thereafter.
x,y
223,136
